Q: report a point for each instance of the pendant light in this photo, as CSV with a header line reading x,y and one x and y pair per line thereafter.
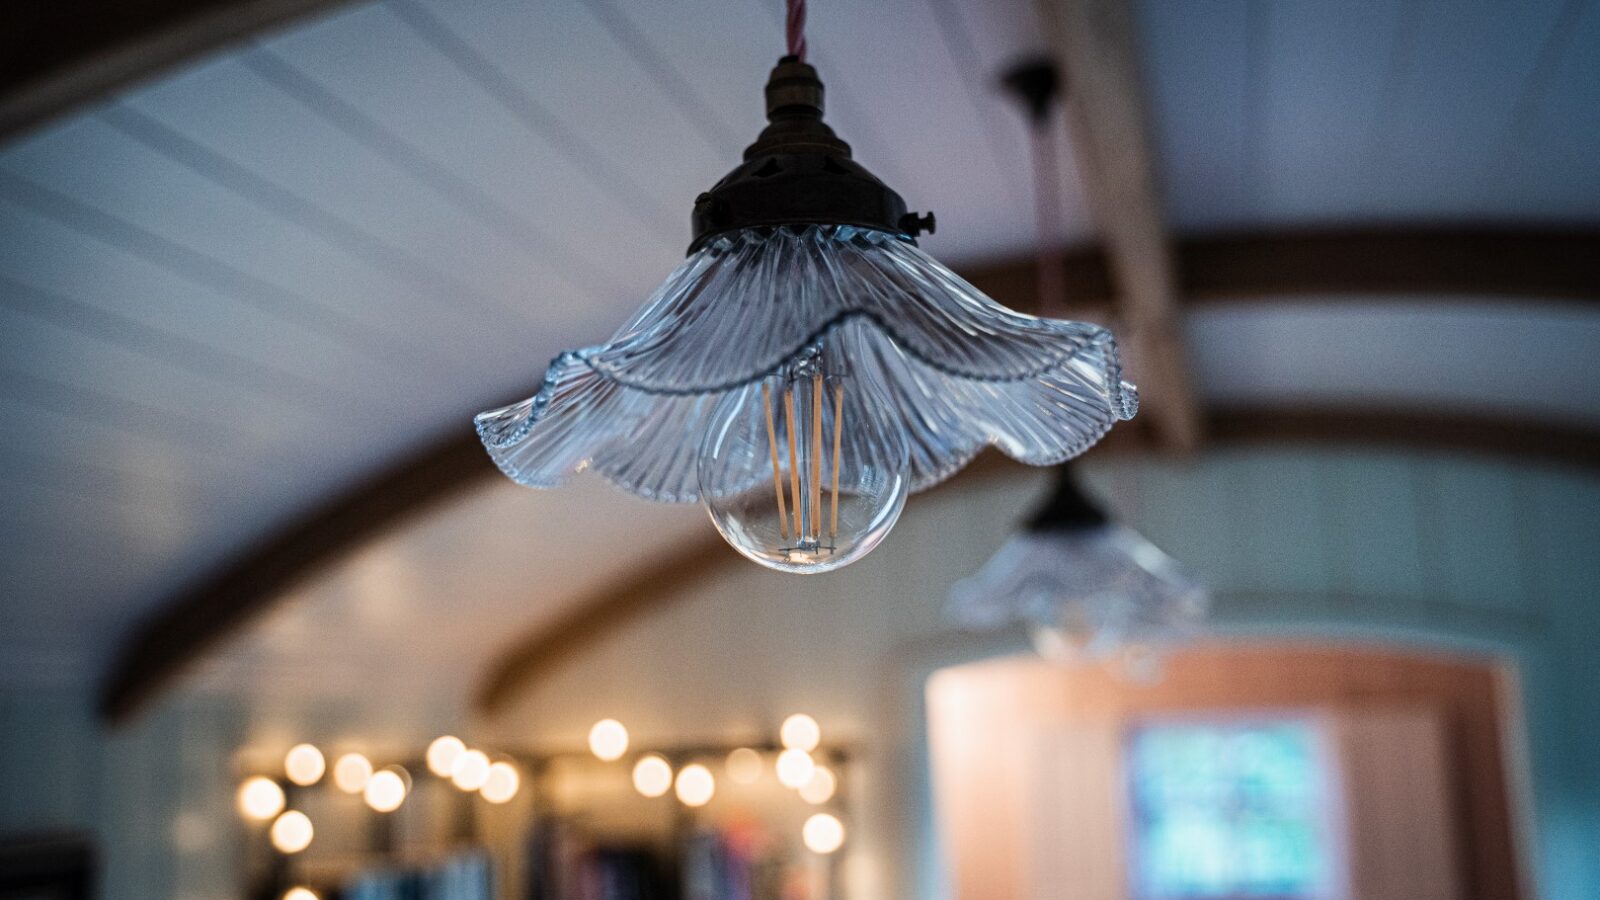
x,y
1083,586
809,366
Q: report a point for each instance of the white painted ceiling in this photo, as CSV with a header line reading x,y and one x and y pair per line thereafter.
x,y
231,292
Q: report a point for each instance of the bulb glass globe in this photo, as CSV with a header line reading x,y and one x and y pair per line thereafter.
x,y
695,785
800,732
823,833
351,772
806,470
304,765
744,766
385,790
300,893
442,754
652,776
820,787
260,798
292,832
471,770
502,783
795,768
608,739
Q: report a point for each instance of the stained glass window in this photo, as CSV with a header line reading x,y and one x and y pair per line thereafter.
x,y
1229,810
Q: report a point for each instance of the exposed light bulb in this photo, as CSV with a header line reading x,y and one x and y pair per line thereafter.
x,y
695,785
806,470
819,788
385,790
800,732
652,776
300,893
744,766
260,798
823,833
471,770
502,783
608,739
351,772
292,832
795,768
304,764
442,754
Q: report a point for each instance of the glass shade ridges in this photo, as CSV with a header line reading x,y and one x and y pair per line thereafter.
x,y
959,370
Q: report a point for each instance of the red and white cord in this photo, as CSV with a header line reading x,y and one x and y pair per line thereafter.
x,y
795,29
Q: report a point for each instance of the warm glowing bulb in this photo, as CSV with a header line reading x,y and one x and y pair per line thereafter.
x,y
608,739
300,893
695,785
820,787
292,832
442,754
795,768
351,773
800,732
652,776
260,798
471,770
304,764
823,833
807,469
385,790
501,784
744,766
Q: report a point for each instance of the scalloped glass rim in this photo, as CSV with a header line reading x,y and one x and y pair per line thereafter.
x,y
740,309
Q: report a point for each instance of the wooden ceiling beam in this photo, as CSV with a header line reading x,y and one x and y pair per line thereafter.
x,y
59,54
1095,47
525,662
1516,264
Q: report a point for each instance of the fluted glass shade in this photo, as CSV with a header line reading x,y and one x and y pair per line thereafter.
x,y
801,381
1102,593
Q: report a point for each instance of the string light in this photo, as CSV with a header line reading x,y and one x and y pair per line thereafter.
x,y
819,788
442,754
385,790
471,770
652,776
823,833
260,798
795,768
292,832
695,785
351,773
608,740
304,764
501,784
800,732
744,766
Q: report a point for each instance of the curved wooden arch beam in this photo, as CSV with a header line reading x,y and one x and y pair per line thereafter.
x,y
1541,265
189,624
59,54
544,650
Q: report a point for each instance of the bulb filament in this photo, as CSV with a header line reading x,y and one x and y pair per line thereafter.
x,y
803,498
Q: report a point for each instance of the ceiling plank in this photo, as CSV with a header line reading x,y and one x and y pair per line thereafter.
x,y
1537,265
55,56
1095,47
